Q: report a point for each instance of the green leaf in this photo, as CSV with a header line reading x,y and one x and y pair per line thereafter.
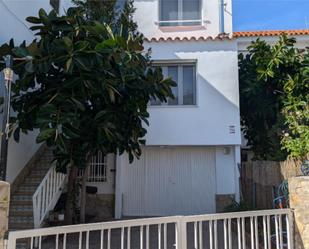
x,y
45,134
33,19
34,49
69,65
100,115
68,42
16,134
43,14
82,63
110,43
78,104
29,67
109,31
21,51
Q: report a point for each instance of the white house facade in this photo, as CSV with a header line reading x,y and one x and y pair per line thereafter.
x,y
190,163
192,154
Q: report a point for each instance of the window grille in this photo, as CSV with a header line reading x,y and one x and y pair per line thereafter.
x,y
97,170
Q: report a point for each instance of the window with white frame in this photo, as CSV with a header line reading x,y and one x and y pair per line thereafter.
x,y
180,13
184,74
97,169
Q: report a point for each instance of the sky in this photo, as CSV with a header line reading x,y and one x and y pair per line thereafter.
x,y
270,14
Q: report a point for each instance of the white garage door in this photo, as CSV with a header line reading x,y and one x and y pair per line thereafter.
x,y
170,181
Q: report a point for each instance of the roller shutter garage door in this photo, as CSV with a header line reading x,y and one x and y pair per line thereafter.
x,y
170,181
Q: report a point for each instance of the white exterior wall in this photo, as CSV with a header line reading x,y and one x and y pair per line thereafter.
x,y
19,154
13,25
207,123
217,100
147,16
302,41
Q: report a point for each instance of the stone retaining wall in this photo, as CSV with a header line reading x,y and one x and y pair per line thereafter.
x,y
299,202
4,210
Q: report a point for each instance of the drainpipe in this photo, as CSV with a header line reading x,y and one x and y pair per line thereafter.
x,y
221,16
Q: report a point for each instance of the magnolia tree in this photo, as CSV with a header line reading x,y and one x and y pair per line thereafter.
x,y
87,86
274,98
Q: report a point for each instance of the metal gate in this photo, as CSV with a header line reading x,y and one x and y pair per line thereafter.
x,y
253,229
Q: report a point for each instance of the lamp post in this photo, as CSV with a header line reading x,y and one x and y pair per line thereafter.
x,y
8,79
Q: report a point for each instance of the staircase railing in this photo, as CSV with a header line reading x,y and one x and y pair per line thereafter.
x,y
47,194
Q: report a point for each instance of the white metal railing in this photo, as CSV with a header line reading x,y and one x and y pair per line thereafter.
x,y
47,194
253,229
178,22
242,230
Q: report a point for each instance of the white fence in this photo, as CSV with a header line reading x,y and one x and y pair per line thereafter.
x,y
254,229
47,194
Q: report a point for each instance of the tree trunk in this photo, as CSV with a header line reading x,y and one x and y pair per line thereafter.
x,y
71,196
83,195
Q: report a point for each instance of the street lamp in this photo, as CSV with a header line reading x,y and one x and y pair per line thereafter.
x,y
8,76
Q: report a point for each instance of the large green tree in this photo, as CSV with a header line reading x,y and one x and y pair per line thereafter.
x,y
87,86
274,95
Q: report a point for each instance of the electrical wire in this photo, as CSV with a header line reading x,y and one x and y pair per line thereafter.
x,y
15,16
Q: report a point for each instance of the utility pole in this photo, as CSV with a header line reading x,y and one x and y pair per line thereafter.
x,y
8,79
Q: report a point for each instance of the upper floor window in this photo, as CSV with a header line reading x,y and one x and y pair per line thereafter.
x,y
184,75
180,13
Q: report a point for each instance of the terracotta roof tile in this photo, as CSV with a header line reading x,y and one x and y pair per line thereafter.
x,y
192,38
227,36
270,33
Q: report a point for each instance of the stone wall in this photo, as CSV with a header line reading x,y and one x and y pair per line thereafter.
x,y
4,210
299,202
222,201
100,207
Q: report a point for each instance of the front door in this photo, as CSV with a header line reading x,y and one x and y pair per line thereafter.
x,y
101,173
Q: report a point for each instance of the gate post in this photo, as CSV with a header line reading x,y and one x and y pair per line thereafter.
x,y
181,233
299,202
4,210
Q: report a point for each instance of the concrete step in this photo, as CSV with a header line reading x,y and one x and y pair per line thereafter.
x,y
20,226
21,213
27,188
21,203
16,221
21,198
32,180
21,208
38,173
17,193
44,163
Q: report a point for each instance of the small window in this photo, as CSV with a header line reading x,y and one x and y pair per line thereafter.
x,y
96,169
184,76
180,13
